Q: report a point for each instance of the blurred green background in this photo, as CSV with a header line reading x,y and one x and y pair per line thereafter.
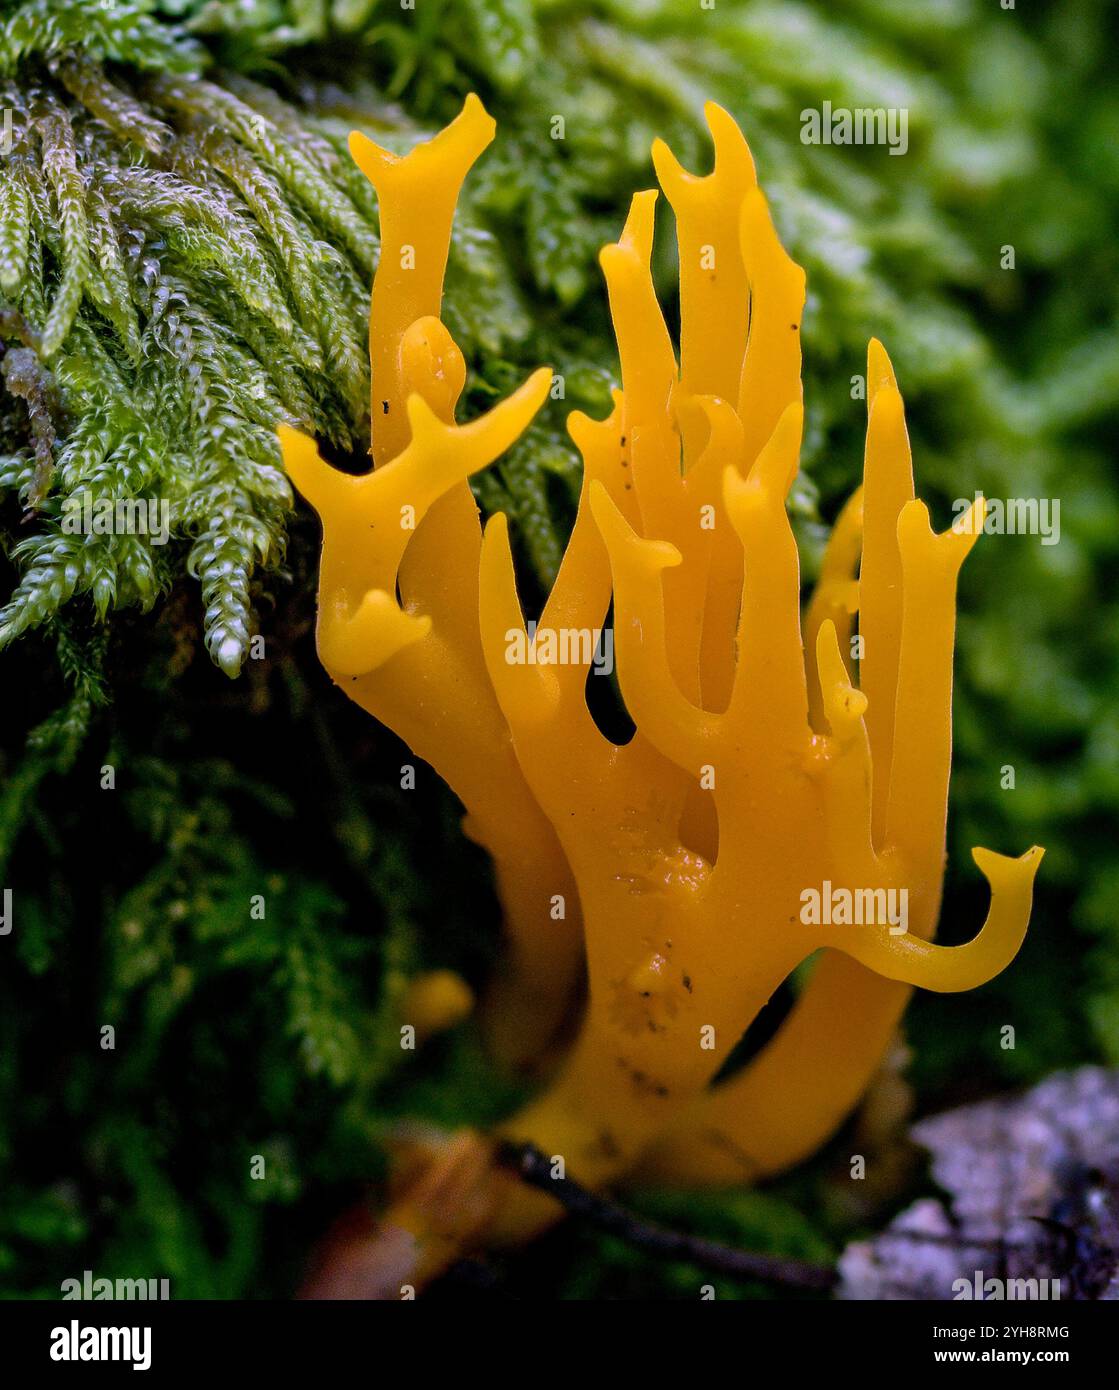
x,y
162,232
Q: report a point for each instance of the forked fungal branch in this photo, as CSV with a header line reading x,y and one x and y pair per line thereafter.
x,y
673,867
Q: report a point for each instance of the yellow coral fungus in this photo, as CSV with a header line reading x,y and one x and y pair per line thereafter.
x,y
763,778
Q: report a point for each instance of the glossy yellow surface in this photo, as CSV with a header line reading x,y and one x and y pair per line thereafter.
x,y
759,770
417,666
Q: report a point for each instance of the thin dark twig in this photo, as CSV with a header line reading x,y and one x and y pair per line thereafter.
x,y
953,1241
536,1170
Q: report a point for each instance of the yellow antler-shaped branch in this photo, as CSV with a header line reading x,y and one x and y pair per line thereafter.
x,y
412,523
764,781
950,968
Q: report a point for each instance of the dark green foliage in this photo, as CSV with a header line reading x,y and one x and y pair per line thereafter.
x,y
185,256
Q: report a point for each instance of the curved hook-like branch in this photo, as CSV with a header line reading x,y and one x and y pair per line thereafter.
x,y
951,969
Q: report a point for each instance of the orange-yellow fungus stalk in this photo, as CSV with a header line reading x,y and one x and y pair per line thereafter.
x,y
412,525
774,769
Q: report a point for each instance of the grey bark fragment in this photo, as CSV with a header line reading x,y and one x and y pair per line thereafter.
x,y
1033,1195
